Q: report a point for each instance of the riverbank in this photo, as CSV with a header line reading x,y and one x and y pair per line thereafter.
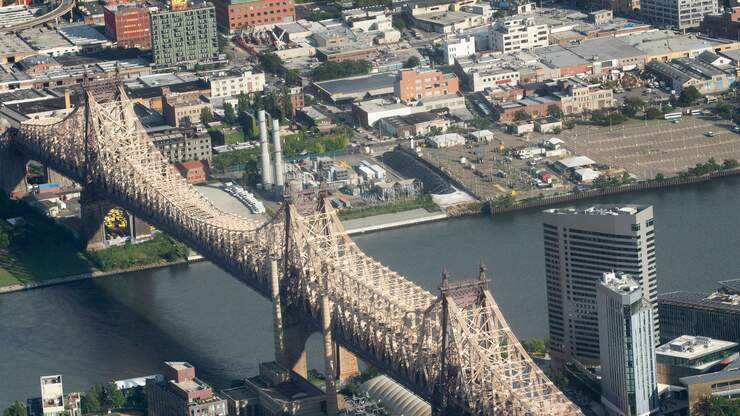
x,y
93,275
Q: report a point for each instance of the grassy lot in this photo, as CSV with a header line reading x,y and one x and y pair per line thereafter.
x,y
234,137
421,202
41,249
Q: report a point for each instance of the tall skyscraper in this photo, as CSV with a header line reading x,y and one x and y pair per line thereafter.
x,y
580,246
185,37
629,384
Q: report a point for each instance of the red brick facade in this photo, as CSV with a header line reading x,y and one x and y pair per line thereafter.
x,y
232,15
412,84
128,26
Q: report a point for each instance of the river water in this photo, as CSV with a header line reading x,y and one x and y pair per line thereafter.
x,y
126,326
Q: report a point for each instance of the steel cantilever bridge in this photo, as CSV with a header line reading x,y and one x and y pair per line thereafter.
x,y
454,348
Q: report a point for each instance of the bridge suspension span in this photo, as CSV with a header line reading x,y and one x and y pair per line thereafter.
x,y
453,348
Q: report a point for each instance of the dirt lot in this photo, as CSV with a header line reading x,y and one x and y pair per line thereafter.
x,y
646,148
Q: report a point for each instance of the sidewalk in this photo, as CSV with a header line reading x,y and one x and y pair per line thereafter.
x,y
394,220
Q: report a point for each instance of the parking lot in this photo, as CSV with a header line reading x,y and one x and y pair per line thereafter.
x,y
646,148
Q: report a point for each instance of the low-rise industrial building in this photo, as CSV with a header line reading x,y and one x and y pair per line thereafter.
x,y
534,107
417,124
179,111
446,140
684,72
355,88
367,113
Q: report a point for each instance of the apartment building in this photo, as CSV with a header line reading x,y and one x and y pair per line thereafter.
x,y
580,246
628,380
415,84
180,145
237,14
183,111
518,33
677,14
236,82
185,38
128,25
454,47
578,96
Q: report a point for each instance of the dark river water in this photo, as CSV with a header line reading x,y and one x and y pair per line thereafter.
x,y
126,326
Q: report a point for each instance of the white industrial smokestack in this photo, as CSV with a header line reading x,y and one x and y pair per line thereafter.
x,y
279,173
266,165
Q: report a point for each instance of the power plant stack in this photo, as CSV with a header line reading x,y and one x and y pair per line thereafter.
x,y
267,179
279,172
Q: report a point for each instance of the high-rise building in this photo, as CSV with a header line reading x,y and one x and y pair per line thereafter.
x,y
185,38
128,25
679,14
238,14
629,385
580,246
714,315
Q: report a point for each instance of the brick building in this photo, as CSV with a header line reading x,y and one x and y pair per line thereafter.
x,y
179,111
235,14
194,171
726,25
128,26
412,84
182,394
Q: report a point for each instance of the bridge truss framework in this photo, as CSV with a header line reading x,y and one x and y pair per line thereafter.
x,y
454,348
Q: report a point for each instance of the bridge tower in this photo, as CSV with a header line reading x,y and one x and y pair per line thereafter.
x,y
12,168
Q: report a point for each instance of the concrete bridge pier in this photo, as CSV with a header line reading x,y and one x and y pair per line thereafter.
x,y
93,210
329,356
12,171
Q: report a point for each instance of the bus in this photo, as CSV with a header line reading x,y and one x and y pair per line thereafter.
x,y
672,116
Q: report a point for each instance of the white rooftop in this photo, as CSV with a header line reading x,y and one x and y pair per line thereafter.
x,y
691,347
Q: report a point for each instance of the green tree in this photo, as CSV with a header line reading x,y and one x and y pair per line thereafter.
x,y
91,400
522,115
555,112
725,110
271,63
729,164
688,96
292,77
114,398
717,406
229,115
4,238
243,103
481,123
205,115
412,62
653,113
332,70
632,105
659,177
16,409
286,104
499,14
398,22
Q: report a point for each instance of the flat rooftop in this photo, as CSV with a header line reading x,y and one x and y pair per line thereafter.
x,y
691,347
372,82
622,209
11,44
446,18
82,34
42,39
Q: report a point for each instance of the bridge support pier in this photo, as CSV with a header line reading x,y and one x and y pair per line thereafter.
x,y
329,371
93,210
12,171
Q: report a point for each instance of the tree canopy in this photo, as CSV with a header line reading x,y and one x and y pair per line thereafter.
x,y
271,63
688,96
332,70
412,62
16,409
